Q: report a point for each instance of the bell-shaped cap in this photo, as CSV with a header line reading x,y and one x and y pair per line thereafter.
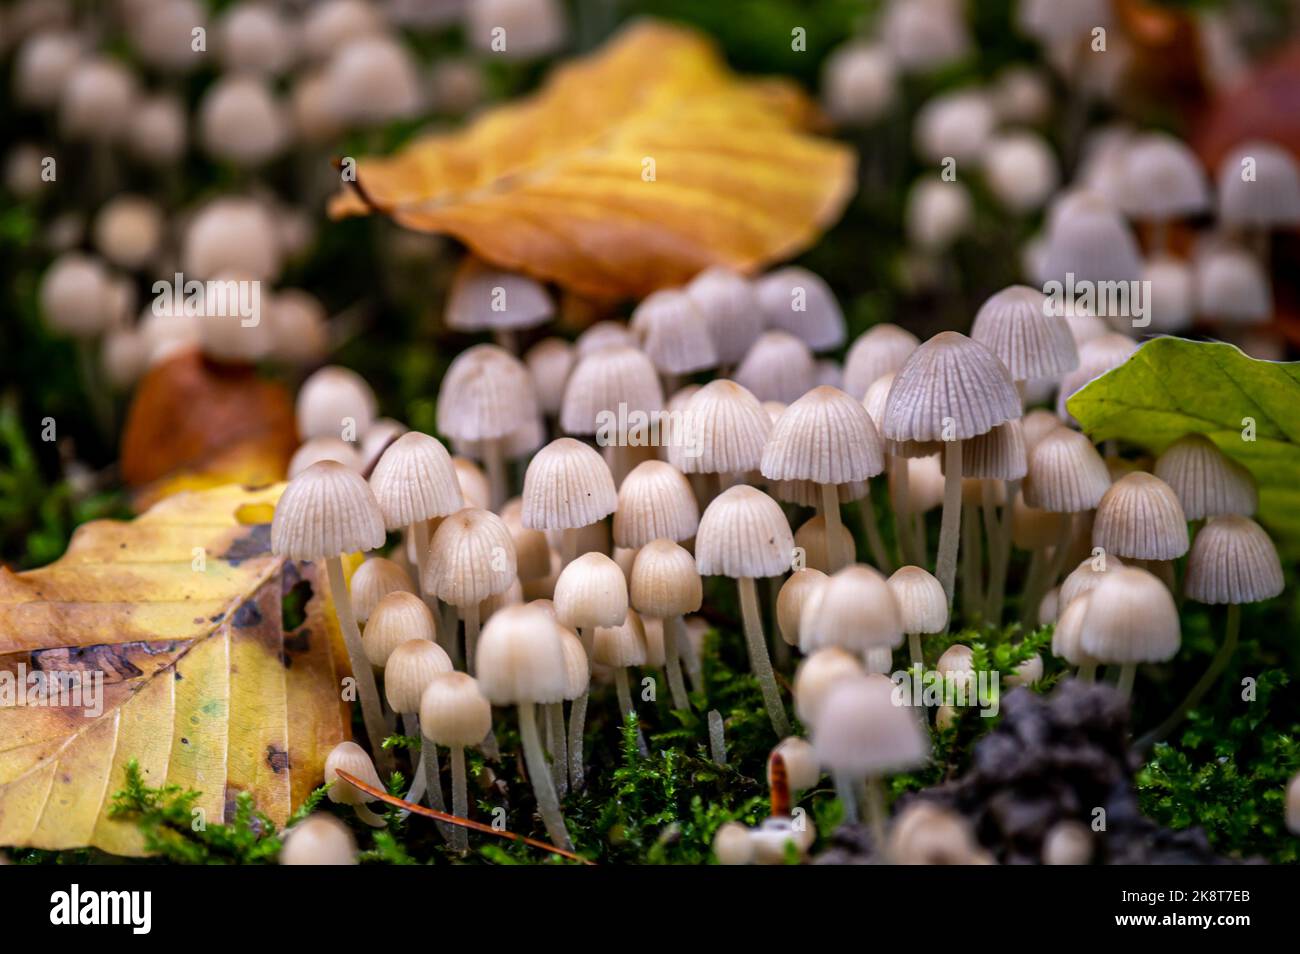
x,y
1015,326
724,430
743,533
398,618
655,501
1160,179
998,454
1232,286
353,759
485,395
922,603
796,301
812,539
790,600
474,486
881,349
1085,578
664,581
826,437
604,380
1140,517
532,550
1091,241
1232,561
1208,483
577,667
1096,357
779,367
520,658
374,579
549,363
471,557
591,591
454,711
860,730
414,480
1068,635
924,484
410,669
674,333
815,677
605,334
320,839
329,399
326,511
855,610
567,485
875,399
730,309
485,298
620,646
323,448
1066,474
951,387
1131,619
1036,425
1267,199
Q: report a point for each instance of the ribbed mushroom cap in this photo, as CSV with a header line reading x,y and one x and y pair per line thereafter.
x,y
664,581
1208,483
371,80
471,557
532,550
790,601
924,484
805,493
620,646
1131,619
1096,357
654,501
1066,474
922,604
796,301
577,668
875,400
353,759
331,396
815,676
414,480
1269,199
998,454
854,609
1036,425
881,349
673,332
520,658
320,839
549,362
474,487
1015,326
605,379
316,449
1085,578
812,539
1091,240
567,485
591,591
1232,286
860,731
372,581
1067,636
605,334
1032,528
454,711
826,437
779,367
957,663
949,377
725,430
1161,178
1173,293
1140,516
1232,561
326,511
743,533
411,666
398,617
484,298
485,395
730,309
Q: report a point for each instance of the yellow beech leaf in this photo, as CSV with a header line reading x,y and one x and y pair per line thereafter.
x,y
628,171
179,613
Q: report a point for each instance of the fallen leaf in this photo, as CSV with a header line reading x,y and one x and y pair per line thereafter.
x,y
1171,387
180,610
553,185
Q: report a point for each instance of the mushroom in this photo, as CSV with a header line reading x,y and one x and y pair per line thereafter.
x,y
819,671
725,430
410,667
815,542
1292,813
567,486
743,534
1098,355
455,713
926,834
241,121
1089,240
1015,325
922,606
319,839
796,301
484,298
352,758
858,83
577,667
398,617
799,759
1232,287
335,402
1206,481
532,550
371,80
729,306
674,334
855,610
655,502
608,395
549,362
778,367
790,601
1267,200
323,513
1067,635
619,648
732,844
1020,170
1084,578
882,349
1160,181
665,584
1140,517
374,579
937,213
1131,618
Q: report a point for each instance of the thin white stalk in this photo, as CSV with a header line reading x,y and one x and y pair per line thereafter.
x,y
846,790
625,706
559,748
577,726
914,649
834,527
945,567
548,803
459,799
470,612
674,632
495,462
1127,673
433,782
898,493
759,662
367,691
876,815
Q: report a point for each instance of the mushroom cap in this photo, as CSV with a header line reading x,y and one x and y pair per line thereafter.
x,y
1096,356
536,28
743,533
924,35
97,99
1131,618
577,667
1173,292
372,79
957,124
1232,286
881,349
674,333
485,298
1036,425
414,480
1066,474
858,82
816,674
1140,517
532,550
950,377
860,731
485,395
42,66
374,579
922,603
1268,200
655,501
791,598
397,618
825,436
474,487
605,334
520,658
73,295
937,213
1090,240
567,485
241,121
330,24
1020,169
1161,179
854,609
928,834
411,666
725,430
1208,482
604,380
234,234
664,581
800,758
329,398
874,399
326,511
1083,579
778,367
471,557
256,38
729,305
591,591
1067,636
319,839
732,844
1015,326
811,538
454,711
622,645
924,483
353,759
128,229
1232,561
549,362
796,301
998,454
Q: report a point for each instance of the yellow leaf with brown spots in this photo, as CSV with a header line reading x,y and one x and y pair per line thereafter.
x,y
177,617
630,170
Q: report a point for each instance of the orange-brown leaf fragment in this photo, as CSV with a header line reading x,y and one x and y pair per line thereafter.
x,y
630,170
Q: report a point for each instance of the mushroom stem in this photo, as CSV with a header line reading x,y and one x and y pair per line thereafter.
x,y
577,722
759,662
1208,679
876,814
419,532
830,500
999,552
369,817
449,632
848,798
471,637
459,799
1127,673
626,707
675,630
371,710
568,546
495,462
717,738
871,530
1087,672
559,748
914,649
945,567
972,571
548,803
432,772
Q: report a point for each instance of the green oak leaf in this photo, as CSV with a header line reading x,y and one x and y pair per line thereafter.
x,y
1171,387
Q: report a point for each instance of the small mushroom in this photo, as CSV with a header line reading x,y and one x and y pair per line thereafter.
x,y
455,713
